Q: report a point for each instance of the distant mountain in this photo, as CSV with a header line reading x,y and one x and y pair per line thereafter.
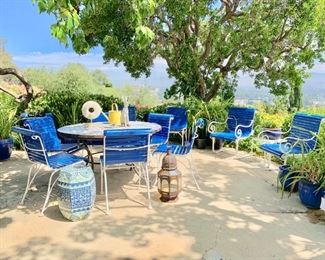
x,y
313,90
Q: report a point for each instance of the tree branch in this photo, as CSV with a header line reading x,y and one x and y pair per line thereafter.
x,y
28,87
17,98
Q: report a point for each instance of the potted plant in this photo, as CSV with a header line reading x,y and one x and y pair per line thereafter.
x,y
7,120
201,141
214,110
285,178
270,126
310,176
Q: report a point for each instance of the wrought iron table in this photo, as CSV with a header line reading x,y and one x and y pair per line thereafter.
x,y
89,132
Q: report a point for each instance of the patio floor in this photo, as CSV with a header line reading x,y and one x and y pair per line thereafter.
x,y
237,215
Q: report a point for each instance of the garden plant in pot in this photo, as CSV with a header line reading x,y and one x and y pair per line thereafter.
x,y
270,125
309,173
214,110
8,119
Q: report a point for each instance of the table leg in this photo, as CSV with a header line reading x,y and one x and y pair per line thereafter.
x,y
90,156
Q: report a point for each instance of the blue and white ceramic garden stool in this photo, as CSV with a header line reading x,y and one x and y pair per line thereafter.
x,y
76,191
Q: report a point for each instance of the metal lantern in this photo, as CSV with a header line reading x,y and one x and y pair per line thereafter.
x,y
169,179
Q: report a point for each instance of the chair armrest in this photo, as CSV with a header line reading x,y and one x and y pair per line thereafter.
x,y
262,134
286,146
32,134
212,125
238,129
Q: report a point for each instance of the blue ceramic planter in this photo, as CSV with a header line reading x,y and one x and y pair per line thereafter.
x,y
272,133
6,146
287,185
76,191
308,194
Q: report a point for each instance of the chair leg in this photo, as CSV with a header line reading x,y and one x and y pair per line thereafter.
x,y
269,161
237,145
148,186
106,192
49,190
194,167
193,172
140,175
30,181
213,142
101,178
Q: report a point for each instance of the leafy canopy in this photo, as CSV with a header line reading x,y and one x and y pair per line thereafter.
x,y
205,42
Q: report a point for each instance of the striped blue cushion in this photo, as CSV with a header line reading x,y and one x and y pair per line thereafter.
x,y
63,159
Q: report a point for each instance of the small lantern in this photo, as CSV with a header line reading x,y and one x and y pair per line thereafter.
x,y
169,179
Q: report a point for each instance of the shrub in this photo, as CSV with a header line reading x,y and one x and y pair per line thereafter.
x,y
66,105
8,110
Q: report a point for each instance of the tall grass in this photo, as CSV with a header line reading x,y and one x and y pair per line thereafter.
x,y
8,110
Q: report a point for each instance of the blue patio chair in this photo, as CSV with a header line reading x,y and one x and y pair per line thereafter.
x,y
301,137
46,127
123,148
100,118
132,112
239,126
179,123
35,148
184,150
164,120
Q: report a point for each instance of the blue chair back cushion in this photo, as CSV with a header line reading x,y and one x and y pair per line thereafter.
x,y
46,127
126,146
180,118
305,126
100,118
164,120
240,116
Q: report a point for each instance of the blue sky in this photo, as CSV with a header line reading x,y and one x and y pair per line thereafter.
x,y
29,41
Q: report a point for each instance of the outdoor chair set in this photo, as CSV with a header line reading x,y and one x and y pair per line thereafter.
x,y
133,147
301,138
121,147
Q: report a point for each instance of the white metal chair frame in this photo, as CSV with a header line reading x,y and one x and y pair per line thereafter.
x,y
140,168
238,131
31,177
285,146
182,134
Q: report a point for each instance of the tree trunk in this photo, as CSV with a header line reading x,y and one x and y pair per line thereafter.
x,y
212,92
25,98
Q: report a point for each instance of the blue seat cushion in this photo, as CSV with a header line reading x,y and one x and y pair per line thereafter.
x,y
175,149
228,136
275,149
63,159
72,147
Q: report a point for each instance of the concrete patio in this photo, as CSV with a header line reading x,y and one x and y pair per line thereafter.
x,y
237,215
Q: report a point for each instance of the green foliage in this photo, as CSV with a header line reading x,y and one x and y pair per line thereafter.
x,y
143,96
66,105
71,15
271,116
8,110
310,167
72,77
205,43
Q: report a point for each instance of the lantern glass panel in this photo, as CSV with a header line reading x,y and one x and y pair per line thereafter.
x,y
174,185
164,185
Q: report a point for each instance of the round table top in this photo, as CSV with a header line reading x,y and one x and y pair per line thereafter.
x,y
95,131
